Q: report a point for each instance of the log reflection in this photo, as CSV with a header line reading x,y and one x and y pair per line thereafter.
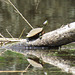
x,y
49,57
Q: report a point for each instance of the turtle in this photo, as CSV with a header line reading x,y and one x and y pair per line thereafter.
x,y
35,33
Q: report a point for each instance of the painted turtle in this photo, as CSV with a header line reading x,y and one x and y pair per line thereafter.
x,y
35,33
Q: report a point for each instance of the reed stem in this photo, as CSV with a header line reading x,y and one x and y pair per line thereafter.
x,y
20,14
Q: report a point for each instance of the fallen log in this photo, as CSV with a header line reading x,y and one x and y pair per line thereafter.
x,y
58,37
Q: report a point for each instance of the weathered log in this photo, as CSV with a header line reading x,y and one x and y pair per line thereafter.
x,y
58,37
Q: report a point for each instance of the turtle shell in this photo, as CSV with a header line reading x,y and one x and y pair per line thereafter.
x,y
34,32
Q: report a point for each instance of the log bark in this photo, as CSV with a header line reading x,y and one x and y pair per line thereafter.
x,y
58,37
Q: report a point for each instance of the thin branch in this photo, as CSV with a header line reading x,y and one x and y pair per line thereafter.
x,y
20,71
11,71
2,35
3,42
9,33
12,40
25,69
21,33
20,14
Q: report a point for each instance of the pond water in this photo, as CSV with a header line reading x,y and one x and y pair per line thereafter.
x,y
12,61
56,12
20,63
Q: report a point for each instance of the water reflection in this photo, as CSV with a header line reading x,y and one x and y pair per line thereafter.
x,y
16,65
49,58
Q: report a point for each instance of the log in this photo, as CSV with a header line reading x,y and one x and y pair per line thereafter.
x,y
11,40
58,37
62,36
